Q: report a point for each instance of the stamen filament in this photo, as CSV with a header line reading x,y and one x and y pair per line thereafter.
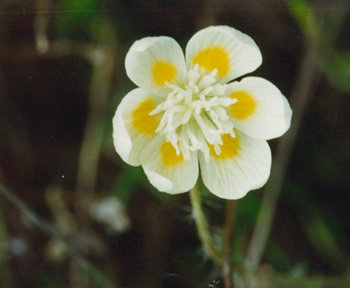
x,y
195,115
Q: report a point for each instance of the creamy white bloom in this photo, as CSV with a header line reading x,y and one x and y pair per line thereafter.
x,y
188,114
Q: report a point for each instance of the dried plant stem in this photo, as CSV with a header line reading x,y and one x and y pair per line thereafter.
x,y
41,25
227,266
103,65
202,225
100,280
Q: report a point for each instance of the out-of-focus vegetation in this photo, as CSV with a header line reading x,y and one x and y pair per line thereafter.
x,y
61,78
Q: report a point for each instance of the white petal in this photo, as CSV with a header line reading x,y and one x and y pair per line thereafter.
x,y
233,176
224,48
167,171
261,110
129,133
153,61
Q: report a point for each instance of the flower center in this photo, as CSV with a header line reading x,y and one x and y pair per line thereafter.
x,y
195,115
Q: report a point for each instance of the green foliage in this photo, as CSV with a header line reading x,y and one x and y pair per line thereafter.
x,y
319,230
302,12
127,181
277,256
323,239
74,18
337,70
335,64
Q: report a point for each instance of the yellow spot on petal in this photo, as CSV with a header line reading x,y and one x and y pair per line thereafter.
x,y
229,148
213,58
163,72
245,105
141,119
169,156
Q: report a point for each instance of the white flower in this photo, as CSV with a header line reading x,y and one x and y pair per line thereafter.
x,y
187,114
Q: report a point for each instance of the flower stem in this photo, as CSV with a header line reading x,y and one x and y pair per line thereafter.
x,y
202,225
227,266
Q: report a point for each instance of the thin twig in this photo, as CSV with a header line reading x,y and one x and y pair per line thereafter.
x,y
227,267
202,225
10,51
44,226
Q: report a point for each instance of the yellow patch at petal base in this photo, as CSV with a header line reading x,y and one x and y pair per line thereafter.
x,y
169,156
163,72
229,148
141,119
245,105
213,58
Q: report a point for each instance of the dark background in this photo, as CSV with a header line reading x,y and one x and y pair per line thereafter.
x,y
61,78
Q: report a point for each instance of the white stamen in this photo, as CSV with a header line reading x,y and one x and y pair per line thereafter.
x,y
195,115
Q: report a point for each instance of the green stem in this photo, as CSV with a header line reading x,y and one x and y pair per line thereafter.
x,y
202,225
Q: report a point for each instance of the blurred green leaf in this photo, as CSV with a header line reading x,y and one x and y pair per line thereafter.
x,y
302,12
80,6
128,179
249,206
322,238
321,232
337,70
277,256
299,9
76,18
102,30
336,65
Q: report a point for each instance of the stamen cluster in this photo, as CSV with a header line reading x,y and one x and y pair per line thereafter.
x,y
195,114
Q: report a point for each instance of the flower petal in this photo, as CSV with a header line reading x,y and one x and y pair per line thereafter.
x,y
244,164
133,126
261,111
223,48
153,61
166,170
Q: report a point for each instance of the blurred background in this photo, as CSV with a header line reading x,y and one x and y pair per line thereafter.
x,y
73,214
